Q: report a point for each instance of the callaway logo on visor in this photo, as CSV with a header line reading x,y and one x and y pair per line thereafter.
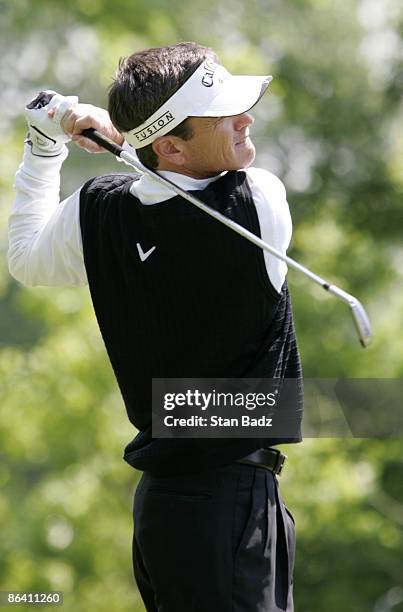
x,y
211,91
208,77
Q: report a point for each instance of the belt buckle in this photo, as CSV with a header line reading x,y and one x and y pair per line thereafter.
x,y
280,461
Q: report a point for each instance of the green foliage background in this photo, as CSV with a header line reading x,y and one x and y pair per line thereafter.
x,y
331,128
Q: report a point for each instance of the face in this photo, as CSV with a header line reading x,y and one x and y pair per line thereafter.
x,y
217,144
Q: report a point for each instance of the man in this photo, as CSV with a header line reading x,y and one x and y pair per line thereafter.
x,y
176,294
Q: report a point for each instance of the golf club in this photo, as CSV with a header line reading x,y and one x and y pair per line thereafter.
x,y
360,317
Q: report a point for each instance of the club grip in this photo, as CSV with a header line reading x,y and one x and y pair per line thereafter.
x,y
102,141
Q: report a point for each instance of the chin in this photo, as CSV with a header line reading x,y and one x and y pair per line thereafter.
x,y
247,160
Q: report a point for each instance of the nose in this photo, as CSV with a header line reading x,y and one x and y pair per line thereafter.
x,y
243,120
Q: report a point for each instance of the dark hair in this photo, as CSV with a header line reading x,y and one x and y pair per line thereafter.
x,y
145,80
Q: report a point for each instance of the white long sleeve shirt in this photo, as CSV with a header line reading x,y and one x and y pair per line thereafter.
x,y
45,244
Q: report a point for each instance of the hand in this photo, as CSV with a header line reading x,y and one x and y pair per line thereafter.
x,y
83,116
43,114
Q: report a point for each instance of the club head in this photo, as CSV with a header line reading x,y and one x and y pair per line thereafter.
x,y
361,320
362,323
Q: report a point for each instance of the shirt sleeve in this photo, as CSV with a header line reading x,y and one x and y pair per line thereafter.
x,y
269,196
45,244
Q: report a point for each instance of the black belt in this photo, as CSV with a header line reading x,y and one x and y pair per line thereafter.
x,y
268,458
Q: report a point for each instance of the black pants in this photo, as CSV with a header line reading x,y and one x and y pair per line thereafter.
x,y
216,541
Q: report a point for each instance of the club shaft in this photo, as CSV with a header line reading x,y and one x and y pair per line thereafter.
x,y
359,314
103,141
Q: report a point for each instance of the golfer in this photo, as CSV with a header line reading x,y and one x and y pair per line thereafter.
x,y
177,295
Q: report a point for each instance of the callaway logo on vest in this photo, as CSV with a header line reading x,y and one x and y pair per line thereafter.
x,y
143,256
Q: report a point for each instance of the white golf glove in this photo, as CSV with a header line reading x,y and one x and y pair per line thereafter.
x,y
45,135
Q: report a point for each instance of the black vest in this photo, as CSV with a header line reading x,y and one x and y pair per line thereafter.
x,y
200,305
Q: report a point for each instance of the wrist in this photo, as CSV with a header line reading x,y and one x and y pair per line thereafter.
x,y
47,149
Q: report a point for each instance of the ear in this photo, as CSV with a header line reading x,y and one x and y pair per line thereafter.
x,y
169,150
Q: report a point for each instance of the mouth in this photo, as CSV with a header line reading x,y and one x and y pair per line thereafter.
x,y
243,141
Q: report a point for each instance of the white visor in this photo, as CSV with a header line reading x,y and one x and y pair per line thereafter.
x,y
211,91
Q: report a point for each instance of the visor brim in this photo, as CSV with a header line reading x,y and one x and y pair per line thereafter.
x,y
238,95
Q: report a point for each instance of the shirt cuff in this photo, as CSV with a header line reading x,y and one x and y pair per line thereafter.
x,y
42,168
